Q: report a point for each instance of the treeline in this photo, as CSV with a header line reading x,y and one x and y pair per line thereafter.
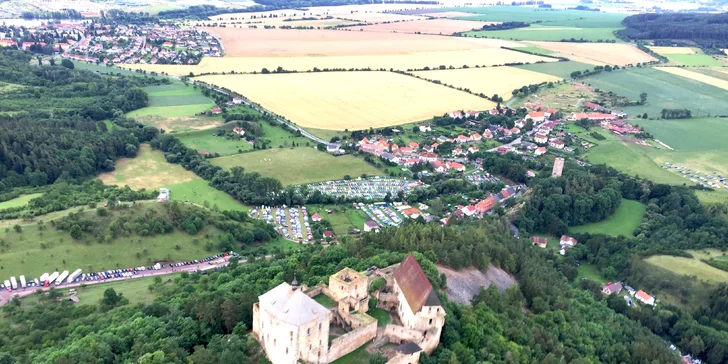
x,y
59,14
675,114
506,25
48,126
709,31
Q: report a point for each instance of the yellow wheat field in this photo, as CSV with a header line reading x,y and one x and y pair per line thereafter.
x,y
695,76
489,81
415,60
597,53
672,50
349,100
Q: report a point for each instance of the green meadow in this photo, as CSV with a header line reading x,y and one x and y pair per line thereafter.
x,y
207,140
548,33
298,165
623,222
201,193
558,69
689,267
543,17
18,201
702,60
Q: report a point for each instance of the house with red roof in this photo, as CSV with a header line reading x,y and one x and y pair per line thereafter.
x,y
540,151
216,111
593,116
567,240
540,138
457,114
476,137
458,151
328,234
507,132
316,217
455,165
493,111
414,145
539,241
428,157
520,123
555,143
536,116
515,131
462,139
471,114
591,105
439,166
8,43
473,149
645,298
487,134
405,150
485,205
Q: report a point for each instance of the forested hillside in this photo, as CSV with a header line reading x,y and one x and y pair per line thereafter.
x,y
51,121
707,30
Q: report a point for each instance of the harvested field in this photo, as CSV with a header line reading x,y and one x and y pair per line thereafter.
x,y
418,60
378,17
597,53
490,80
447,14
248,42
326,10
425,26
464,284
148,170
673,50
685,72
349,100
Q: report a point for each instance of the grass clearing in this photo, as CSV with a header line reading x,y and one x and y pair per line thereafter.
x,y
33,251
349,100
701,77
176,108
623,222
298,165
206,140
148,170
342,218
21,200
381,315
549,33
664,91
701,60
199,192
325,300
590,272
689,267
490,80
558,69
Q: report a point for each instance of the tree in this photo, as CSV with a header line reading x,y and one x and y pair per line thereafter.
x,y
68,64
76,232
643,98
377,358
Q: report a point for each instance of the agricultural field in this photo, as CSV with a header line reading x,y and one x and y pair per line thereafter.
x,y
300,165
424,26
597,53
18,201
689,135
548,33
558,69
349,100
477,54
701,77
673,50
148,170
547,17
34,251
689,267
623,222
664,91
694,60
715,72
200,193
490,80
176,108
325,10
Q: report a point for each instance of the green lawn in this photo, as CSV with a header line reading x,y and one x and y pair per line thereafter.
x,y
689,135
703,60
590,272
176,94
171,111
342,218
664,91
544,17
325,300
548,33
689,267
33,251
200,193
624,221
298,165
18,201
206,140
381,315
558,69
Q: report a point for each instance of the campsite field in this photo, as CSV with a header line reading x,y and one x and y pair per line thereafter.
x,y
349,100
703,60
18,201
148,170
424,26
697,76
489,80
597,53
474,56
548,33
664,91
623,222
298,165
689,267
176,108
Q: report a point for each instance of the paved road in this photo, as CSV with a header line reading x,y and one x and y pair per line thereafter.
x,y
515,142
6,296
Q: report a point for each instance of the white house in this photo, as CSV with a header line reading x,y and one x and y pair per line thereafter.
x,y
541,138
457,114
163,195
425,128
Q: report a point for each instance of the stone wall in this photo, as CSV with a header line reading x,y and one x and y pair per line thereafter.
x,y
405,358
400,334
351,341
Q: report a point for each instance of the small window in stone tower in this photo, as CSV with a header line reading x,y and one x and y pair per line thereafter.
x,y
308,331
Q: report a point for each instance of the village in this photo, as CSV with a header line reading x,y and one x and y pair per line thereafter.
x,y
114,43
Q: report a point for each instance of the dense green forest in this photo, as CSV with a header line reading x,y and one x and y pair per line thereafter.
x,y
50,121
710,31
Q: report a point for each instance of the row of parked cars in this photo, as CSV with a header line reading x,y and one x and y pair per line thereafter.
x,y
218,258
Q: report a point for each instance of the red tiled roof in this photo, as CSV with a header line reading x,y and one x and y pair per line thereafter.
x,y
643,295
413,283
